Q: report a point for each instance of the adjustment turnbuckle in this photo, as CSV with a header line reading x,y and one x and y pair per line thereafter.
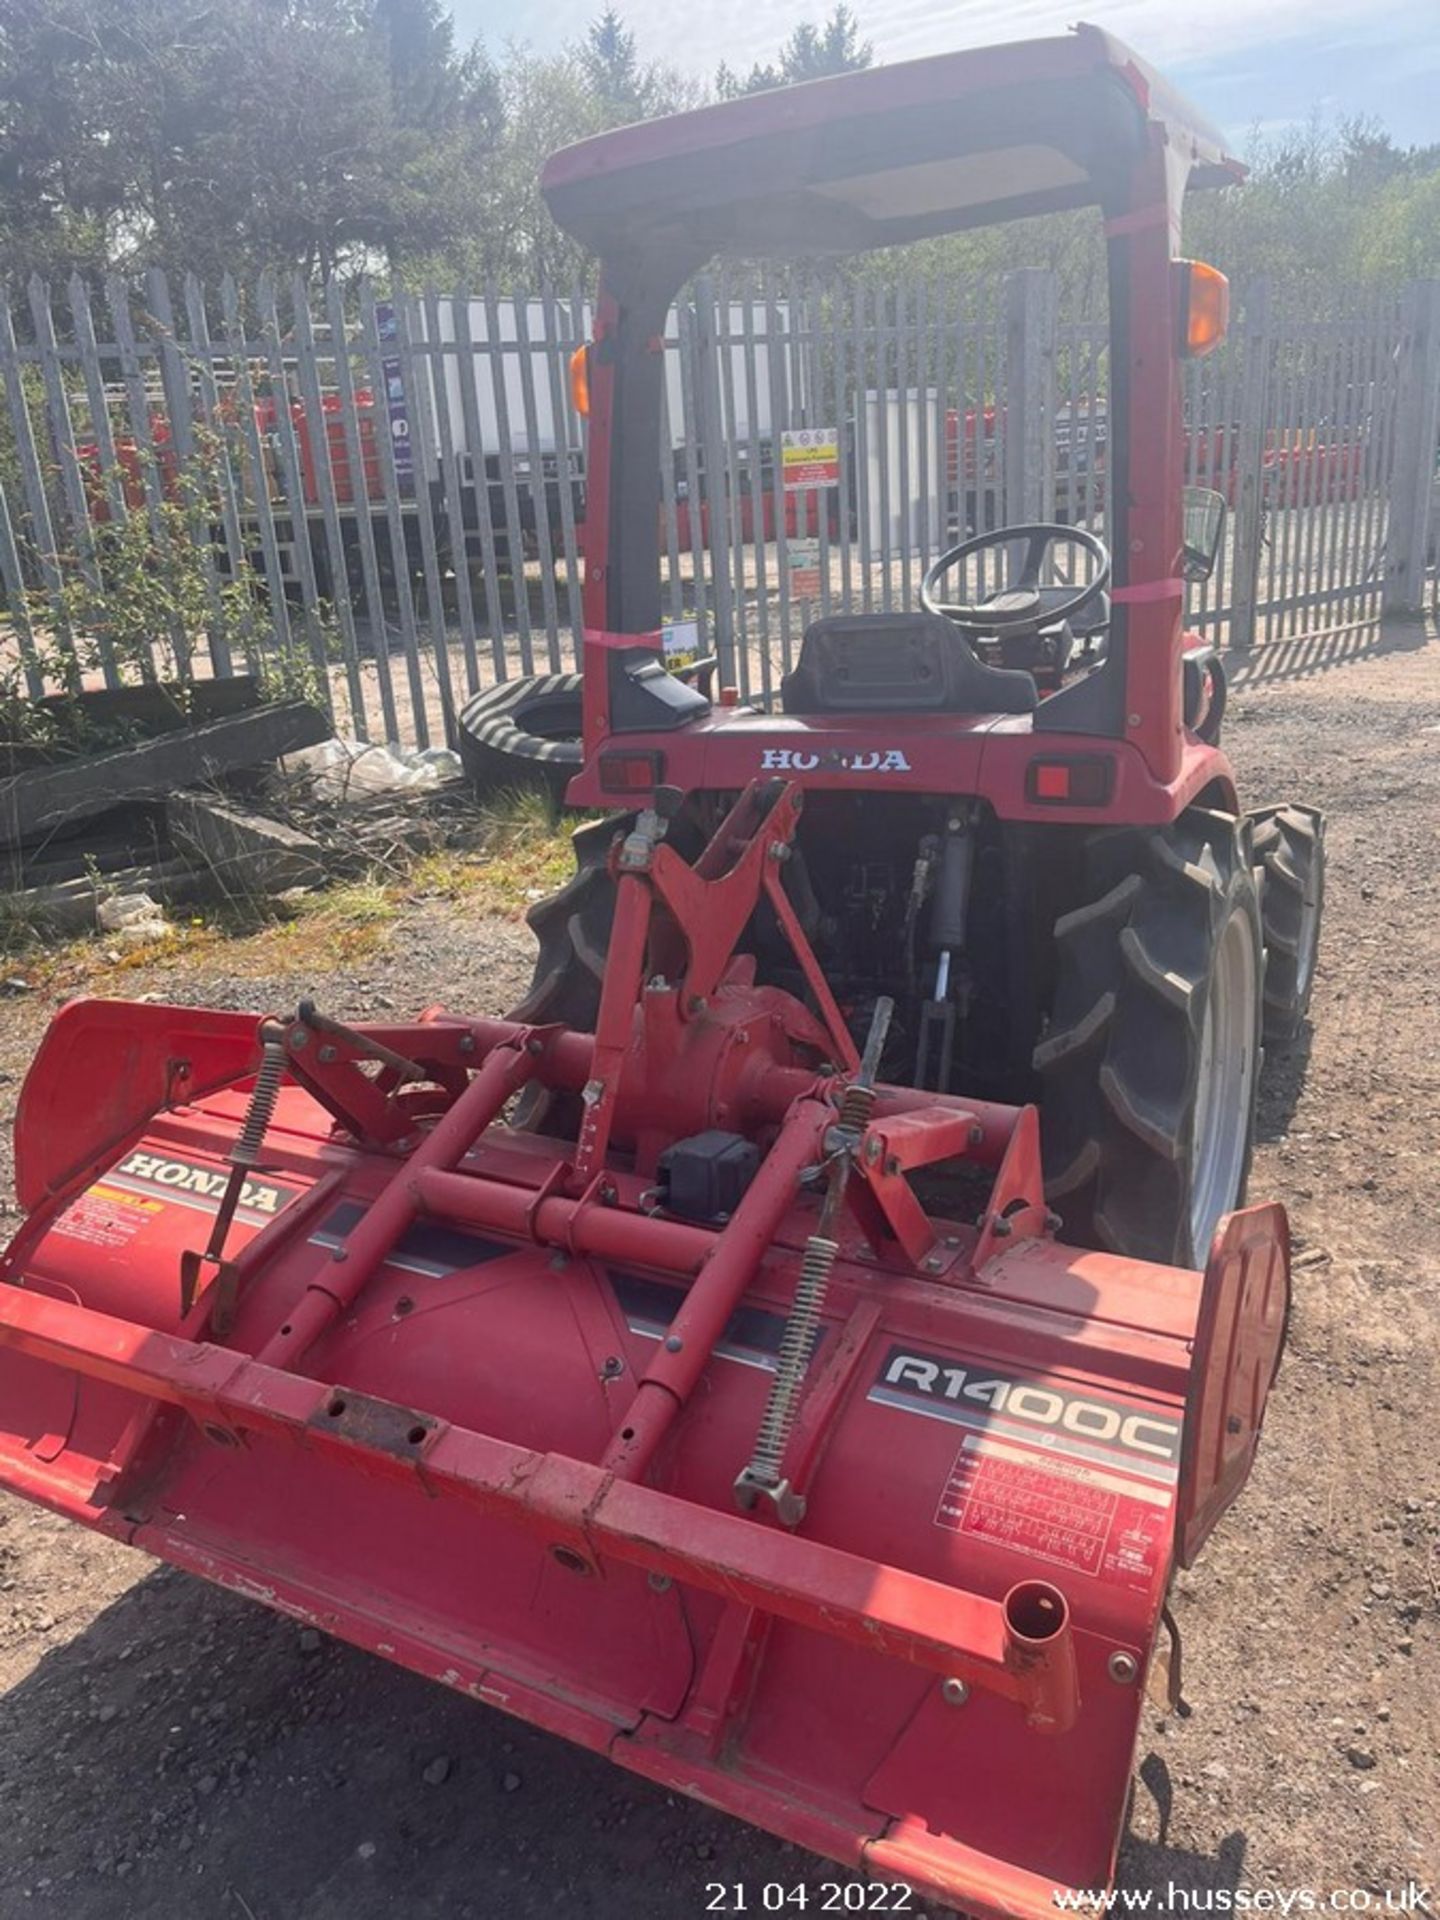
x,y
762,1477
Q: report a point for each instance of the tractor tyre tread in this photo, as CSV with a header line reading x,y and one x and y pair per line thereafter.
x,y
1289,849
1119,1062
572,930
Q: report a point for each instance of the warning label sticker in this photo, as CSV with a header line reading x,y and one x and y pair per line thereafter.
x,y
802,557
103,1216
809,458
1073,1515
680,641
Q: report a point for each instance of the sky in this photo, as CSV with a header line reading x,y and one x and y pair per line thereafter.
x,y
1270,64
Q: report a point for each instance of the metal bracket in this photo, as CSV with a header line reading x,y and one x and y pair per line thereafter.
x,y
750,1489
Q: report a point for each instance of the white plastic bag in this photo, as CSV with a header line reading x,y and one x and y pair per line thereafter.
x,y
349,769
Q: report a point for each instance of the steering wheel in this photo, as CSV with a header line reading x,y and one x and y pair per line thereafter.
x,y
1023,607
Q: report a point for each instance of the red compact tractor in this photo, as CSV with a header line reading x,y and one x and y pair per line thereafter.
x,y
794,1351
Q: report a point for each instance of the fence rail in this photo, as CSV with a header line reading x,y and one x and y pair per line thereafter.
x,y
392,491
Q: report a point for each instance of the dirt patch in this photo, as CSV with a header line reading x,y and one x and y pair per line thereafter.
x,y
166,1749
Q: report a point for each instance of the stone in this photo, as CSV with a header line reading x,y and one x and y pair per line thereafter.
x,y
245,853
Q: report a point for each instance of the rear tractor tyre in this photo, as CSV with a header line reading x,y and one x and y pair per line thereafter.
x,y
572,928
1289,849
1149,1064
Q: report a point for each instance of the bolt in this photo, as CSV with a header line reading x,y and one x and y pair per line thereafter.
x,y
1053,1223
892,1164
299,1037
1123,1668
674,1344
696,1003
934,1262
952,1240
613,1367
326,1055
467,1043
534,1048
954,1692
658,1582
872,1150
977,1135
339,1253
1002,1229
1132,719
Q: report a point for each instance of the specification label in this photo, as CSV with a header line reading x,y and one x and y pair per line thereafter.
x,y
1085,1518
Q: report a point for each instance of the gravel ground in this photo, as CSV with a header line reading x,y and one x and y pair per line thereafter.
x,y
166,1749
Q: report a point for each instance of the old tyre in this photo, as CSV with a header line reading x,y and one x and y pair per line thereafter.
x,y
1289,849
523,734
1150,1059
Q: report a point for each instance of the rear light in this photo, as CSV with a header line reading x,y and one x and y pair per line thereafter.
x,y
1079,780
631,772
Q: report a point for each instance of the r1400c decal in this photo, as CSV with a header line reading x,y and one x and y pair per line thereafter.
x,y
939,1382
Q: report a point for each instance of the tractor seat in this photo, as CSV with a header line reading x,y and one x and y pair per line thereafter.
x,y
898,663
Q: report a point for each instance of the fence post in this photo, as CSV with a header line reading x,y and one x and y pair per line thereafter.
x,y
13,598
32,481
1029,401
175,381
1248,468
1418,430
716,508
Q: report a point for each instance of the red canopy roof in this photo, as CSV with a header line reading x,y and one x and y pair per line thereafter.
x,y
888,155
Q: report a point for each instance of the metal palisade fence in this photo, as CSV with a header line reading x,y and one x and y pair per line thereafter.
x,y
391,491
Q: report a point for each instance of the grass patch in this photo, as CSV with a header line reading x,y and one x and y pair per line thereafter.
x,y
523,853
